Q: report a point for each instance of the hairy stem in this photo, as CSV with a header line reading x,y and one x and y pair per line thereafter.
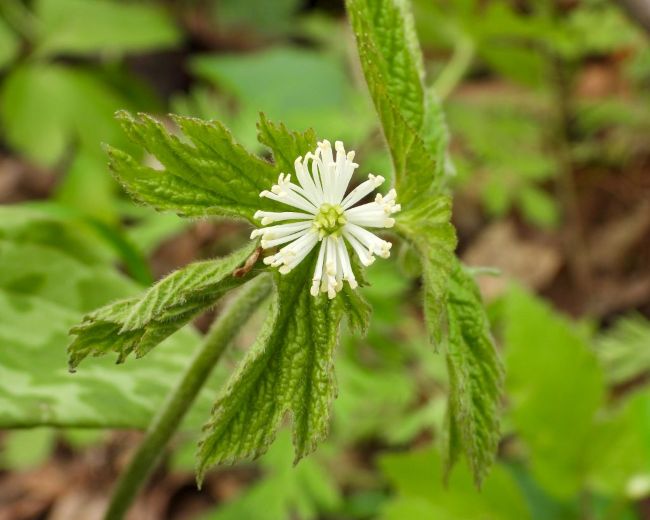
x,y
178,402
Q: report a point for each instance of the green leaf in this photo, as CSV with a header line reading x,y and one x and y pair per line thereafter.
x,y
385,29
475,378
51,272
427,225
9,44
435,134
417,138
505,180
539,207
26,449
206,173
102,26
240,75
22,225
153,229
357,310
51,222
420,493
139,324
286,145
615,32
284,491
89,188
624,350
521,64
556,387
319,95
257,15
36,387
289,369
66,281
619,457
47,107
375,401
390,59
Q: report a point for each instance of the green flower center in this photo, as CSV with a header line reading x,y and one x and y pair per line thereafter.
x,y
330,219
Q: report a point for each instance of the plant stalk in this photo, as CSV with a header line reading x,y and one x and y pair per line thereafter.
x,y
452,74
179,401
574,243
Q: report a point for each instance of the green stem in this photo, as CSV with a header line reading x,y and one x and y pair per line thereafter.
x,y
455,69
178,402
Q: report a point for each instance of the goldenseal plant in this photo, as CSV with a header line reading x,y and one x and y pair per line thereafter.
x,y
327,217
310,246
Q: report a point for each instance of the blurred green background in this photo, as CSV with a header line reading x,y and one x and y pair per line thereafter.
x,y
547,104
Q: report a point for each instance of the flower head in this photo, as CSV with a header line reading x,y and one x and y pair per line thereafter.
x,y
322,212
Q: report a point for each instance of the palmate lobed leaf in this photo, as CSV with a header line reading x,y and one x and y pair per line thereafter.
x,y
208,174
289,369
392,65
385,29
139,324
204,171
416,135
45,287
417,138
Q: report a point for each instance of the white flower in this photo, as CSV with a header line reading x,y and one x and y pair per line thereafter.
x,y
322,212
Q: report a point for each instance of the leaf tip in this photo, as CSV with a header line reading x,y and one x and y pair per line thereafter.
x,y
123,115
200,475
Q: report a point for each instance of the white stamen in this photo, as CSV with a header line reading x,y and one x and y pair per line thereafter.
x,y
362,190
327,216
268,217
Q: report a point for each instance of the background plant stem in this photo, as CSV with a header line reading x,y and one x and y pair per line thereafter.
x,y
179,401
574,242
453,73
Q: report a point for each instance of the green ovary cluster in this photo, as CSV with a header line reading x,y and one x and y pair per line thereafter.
x,y
330,219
